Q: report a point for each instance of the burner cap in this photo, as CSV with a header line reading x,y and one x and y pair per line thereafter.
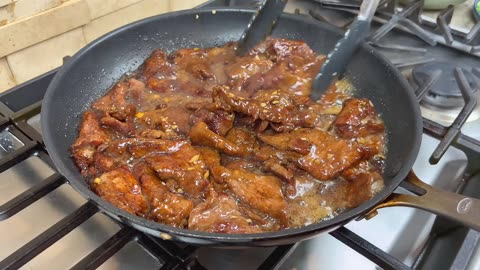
x,y
445,92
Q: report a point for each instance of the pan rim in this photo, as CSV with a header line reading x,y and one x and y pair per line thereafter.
x,y
161,230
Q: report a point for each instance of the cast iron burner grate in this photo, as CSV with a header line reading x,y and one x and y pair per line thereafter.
x,y
15,109
23,102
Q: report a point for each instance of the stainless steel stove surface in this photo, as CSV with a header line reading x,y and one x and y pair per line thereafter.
x,y
68,231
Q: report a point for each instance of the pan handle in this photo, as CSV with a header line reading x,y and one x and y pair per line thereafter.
x,y
457,207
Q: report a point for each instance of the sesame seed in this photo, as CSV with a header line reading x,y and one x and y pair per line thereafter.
x,y
194,158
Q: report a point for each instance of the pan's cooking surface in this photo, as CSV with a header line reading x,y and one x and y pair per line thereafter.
x,y
96,67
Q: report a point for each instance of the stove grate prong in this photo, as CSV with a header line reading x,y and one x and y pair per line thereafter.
x,y
398,47
30,196
106,250
403,18
278,257
422,90
47,238
454,130
443,20
365,248
473,34
412,62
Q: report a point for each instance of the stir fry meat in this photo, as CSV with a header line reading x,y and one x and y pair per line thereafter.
x,y
320,154
120,188
205,140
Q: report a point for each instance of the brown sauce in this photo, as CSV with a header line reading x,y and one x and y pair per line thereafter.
x,y
205,140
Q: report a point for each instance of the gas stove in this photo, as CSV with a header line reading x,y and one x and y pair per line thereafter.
x,y
47,225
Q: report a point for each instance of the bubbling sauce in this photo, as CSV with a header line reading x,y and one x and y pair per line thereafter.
x,y
205,140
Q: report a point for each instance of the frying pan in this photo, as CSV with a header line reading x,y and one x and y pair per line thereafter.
x,y
95,68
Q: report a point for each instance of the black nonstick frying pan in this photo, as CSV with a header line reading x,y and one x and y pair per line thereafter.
x,y
94,69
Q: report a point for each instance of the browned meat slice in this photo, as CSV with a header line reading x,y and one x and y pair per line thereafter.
x,y
212,159
361,188
202,136
166,207
114,102
247,68
157,65
137,88
260,192
275,106
320,154
220,215
138,148
197,69
183,171
244,138
357,119
285,75
295,66
125,128
281,49
118,153
365,186
172,120
142,97
279,170
120,188
217,121
91,135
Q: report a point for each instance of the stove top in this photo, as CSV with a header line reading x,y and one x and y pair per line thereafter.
x,y
47,225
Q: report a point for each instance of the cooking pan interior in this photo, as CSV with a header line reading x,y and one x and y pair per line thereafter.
x,y
92,71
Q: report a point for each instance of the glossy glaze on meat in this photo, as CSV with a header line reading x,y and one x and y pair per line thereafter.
x,y
205,140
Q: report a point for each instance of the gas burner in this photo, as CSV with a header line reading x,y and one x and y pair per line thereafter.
x,y
445,93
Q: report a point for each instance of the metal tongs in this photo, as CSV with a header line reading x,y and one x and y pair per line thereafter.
x,y
339,57
262,23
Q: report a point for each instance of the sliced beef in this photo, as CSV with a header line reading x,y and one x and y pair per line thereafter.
x,y
173,121
157,65
229,144
91,135
114,103
183,171
217,121
124,128
209,156
275,106
119,153
357,119
201,135
315,151
220,215
260,192
164,206
138,148
120,188
295,66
